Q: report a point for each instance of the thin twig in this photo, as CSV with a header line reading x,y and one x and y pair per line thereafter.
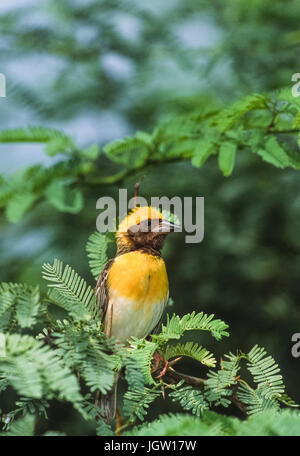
x,y
198,382
136,190
174,361
188,379
129,422
235,400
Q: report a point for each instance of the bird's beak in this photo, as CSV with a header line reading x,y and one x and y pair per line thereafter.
x,y
167,227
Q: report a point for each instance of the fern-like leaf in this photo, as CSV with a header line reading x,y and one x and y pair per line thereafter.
x,y
133,374
131,151
192,350
190,399
96,248
70,291
255,399
97,368
19,304
176,326
217,386
136,402
36,371
142,351
57,142
265,372
226,118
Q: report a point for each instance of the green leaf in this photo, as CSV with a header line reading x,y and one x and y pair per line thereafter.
x,y
137,402
70,291
286,95
145,137
270,423
97,368
6,191
274,154
64,198
19,204
226,118
131,151
177,425
203,150
32,134
217,387
255,399
36,371
27,308
86,349
22,302
296,123
142,351
56,141
59,145
190,399
227,157
22,427
181,148
192,350
54,434
133,373
265,371
96,248
176,326
103,429
91,152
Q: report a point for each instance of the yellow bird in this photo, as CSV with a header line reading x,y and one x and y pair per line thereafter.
x,y
133,288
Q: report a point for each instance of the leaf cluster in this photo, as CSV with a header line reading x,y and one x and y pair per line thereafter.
x,y
266,125
72,355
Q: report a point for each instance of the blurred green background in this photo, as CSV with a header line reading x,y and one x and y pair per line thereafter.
x,y
100,70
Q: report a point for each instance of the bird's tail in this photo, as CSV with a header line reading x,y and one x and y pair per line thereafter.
x,y
108,403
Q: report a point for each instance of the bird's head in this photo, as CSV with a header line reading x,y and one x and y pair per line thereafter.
x,y
144,227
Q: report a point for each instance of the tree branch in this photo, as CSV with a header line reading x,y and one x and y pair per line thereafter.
x,y
198,382
188,379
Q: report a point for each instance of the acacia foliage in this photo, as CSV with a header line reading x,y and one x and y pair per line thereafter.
x,y
266,125
71,359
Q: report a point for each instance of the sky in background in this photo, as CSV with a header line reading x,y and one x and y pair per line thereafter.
x,y
89,127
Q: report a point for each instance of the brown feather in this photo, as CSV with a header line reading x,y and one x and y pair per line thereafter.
x,y
101,290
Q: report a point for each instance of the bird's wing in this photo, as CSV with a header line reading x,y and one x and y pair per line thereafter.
x,y
101,290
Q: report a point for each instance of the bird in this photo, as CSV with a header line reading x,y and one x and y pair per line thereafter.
x,y
132,290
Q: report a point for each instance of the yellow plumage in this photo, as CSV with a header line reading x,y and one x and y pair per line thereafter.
x,y
138,288
140,277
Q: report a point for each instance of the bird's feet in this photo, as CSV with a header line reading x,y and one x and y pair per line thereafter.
x,y
159,359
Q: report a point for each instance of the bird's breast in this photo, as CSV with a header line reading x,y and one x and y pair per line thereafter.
x,y
138,291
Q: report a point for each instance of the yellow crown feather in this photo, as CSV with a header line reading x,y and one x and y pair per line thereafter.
x,y
137,215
